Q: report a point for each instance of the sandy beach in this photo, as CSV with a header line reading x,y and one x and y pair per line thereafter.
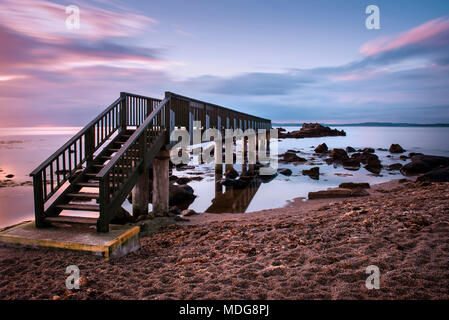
x,y
317,249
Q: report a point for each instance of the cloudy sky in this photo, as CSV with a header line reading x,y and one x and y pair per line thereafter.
x,y
284,60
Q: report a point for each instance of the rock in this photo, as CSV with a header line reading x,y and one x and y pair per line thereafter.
x,y
396,148
183,167
423,164
382,149
282,130
373,166
122,217
337,193
248,175
368,150
9,176
412,154
292,157
338,155
354,185
311,130
403,158
181,219
364,157
183,180
313,173
175,210
322,148
285,172
235,183
351,164
173,178
180,195
437,175
188,213
231,174
394,166
350,149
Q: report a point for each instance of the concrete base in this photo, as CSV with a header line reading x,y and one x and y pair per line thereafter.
x,y
119,241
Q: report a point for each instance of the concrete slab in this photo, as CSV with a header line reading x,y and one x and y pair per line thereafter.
x,y
119,241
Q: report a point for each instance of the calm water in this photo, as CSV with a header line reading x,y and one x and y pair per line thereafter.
x,y
22,149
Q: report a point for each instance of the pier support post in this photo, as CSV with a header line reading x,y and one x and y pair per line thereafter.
x,y
218,177
245,147
141,195
161,183
218,170
268,139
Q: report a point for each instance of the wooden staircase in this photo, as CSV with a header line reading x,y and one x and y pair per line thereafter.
x,y
94,172
80,199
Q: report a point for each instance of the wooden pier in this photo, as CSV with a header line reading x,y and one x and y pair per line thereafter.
x,y
110,157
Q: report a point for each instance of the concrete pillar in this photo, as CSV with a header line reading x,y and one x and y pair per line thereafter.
x,y
141,195
161,183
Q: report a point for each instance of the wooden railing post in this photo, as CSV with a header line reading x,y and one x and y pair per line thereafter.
x,y
123,110
167,119
39,213
89,145
103,220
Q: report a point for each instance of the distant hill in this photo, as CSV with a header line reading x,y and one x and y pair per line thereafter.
x,y
368,124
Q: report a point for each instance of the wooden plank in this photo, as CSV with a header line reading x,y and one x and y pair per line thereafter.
x,y
80,207
88,184
76,220
87,195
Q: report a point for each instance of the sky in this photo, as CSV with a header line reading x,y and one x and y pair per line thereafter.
x,y
289,61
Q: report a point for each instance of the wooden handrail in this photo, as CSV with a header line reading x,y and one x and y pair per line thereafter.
x,y
131,140
74,138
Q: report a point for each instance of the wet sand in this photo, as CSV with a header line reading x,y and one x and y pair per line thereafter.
x,y
316,249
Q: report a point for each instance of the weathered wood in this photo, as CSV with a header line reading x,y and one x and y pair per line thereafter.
x,y
141,195
68,219
38,201
161,183
88,184
84,195
80,207
122,164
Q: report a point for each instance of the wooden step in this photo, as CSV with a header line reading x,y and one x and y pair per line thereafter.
x,y
84,195
88,184
79,207
76,220
91,175
117,150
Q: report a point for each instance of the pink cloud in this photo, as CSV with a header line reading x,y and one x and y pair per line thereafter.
x,y
45,20
354,76
422,33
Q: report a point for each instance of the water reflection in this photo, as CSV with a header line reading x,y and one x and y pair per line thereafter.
x,y
234,200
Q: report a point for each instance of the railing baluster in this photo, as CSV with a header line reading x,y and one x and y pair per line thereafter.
x,y
51,176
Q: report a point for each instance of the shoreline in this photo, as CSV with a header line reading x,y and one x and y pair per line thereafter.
x,y
317,249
